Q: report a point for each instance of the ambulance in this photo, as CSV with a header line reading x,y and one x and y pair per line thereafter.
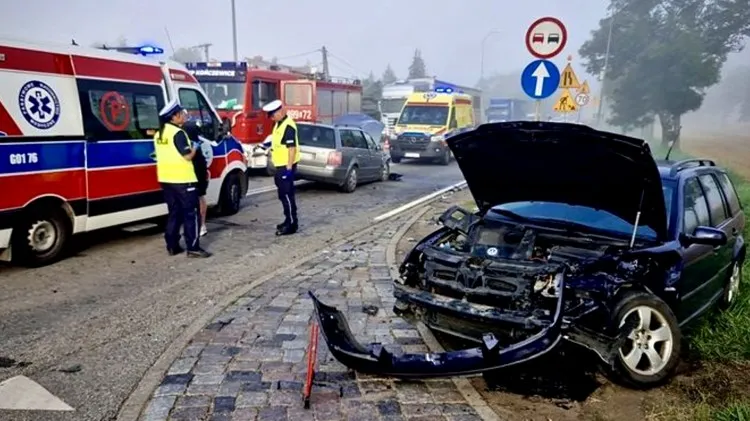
x,y
426,119
76,144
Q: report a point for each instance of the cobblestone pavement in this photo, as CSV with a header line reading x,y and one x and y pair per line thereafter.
x,y
249,363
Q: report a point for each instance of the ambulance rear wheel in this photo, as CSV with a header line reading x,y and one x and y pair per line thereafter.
x,y
231,195
41,237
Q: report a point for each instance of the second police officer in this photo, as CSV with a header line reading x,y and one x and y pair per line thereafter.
x,y
176,174
285,155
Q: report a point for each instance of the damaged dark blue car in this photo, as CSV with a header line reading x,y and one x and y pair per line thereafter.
x,y
580,237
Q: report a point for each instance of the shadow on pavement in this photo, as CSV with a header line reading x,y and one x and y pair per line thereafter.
x,y
570,373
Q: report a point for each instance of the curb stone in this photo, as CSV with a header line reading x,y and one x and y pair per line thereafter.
x,y
134,406
467,390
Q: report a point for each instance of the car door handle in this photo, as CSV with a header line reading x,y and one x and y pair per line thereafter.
x,y
735,232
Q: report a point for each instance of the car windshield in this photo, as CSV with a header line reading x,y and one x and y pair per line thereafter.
x,y
424,114
226,96
317,136
391,105
598,220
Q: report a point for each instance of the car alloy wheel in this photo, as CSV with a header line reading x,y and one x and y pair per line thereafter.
x,y
352,180
649,346
385,172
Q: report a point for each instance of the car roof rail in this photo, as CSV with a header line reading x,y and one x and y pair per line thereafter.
x,y
690,163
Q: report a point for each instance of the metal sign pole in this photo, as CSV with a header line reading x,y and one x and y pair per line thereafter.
x,y
538,107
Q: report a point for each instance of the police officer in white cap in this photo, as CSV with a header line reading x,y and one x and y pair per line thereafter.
x,y
284,155
174,169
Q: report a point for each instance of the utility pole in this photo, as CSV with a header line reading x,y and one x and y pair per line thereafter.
x,y
326,73
234,31
604,70
205,48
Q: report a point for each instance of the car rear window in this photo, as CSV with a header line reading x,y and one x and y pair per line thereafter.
x,y
319,137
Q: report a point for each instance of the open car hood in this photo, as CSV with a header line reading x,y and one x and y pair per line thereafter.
x,y
564,163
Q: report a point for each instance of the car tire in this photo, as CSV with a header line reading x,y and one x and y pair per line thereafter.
x,y
385,171
636,362
350,183
41,238
732,289
230,199
446,158
396,159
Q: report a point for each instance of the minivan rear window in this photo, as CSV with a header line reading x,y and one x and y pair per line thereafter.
x,y
319,137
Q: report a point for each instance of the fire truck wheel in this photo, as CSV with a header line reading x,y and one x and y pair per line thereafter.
x,y
41,237
350,183
231,195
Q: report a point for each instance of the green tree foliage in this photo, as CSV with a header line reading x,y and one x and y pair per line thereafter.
x,y
664,54
389,76
372,92
417,68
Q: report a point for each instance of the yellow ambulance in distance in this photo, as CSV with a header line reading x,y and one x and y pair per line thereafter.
x,y
425,120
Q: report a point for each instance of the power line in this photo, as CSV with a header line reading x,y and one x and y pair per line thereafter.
x,y
299,55
346,63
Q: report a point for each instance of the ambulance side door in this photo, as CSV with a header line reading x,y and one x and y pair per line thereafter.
x,y
119,119
198,108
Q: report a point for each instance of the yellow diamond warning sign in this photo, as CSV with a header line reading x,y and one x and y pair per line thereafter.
x,y
584,89
566,103
568,79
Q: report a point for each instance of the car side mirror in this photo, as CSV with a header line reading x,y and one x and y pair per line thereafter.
x,y
225,128
706,236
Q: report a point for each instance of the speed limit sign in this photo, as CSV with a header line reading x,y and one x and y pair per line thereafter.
x,y
582,99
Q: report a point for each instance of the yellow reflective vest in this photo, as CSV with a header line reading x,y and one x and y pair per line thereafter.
x,y
279,151
171,166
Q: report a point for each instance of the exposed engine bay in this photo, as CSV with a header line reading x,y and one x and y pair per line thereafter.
x,y
505,278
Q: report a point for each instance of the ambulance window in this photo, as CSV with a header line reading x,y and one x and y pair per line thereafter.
x,y
198,109
119,110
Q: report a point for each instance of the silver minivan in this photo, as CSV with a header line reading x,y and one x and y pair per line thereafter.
x,y
342,155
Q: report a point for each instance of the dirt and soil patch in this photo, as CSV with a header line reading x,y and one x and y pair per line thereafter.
x,y
570,385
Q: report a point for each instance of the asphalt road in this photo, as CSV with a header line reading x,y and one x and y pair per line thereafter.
x,y
88,328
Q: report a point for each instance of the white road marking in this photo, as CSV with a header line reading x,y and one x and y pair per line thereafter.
x,y
261,190
418,202
22,393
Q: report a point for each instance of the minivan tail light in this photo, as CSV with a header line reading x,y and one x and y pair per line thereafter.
x,y
334,159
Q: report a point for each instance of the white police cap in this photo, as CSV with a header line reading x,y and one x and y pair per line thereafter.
x,y
272,106
170,109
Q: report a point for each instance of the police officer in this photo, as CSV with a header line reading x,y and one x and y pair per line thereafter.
x,y
284,157
174,168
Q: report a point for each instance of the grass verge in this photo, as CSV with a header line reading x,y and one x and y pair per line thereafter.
x,y
720,347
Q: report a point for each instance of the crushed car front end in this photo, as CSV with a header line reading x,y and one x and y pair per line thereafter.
x,y
517,287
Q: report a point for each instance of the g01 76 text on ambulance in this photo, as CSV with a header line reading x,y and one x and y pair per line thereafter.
x,y
76,144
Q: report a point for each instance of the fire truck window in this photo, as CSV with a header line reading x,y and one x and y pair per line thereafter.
x,y
355,102
339,103
298,94
325,106
198,109
118,110
263,93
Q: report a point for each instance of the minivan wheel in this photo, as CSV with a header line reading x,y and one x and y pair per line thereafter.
x,y
41,238
350,184
650,353
733,285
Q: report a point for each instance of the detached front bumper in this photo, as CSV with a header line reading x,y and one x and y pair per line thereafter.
x,y
375,359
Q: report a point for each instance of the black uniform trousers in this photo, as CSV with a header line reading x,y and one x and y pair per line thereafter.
x,y
285,188
182,203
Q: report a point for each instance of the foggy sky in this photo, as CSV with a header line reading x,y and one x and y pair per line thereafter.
x,y
365,34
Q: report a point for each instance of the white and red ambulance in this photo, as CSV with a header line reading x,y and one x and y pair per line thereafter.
x,y
76,144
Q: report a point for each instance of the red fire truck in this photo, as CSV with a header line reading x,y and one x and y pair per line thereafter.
x,y
238,92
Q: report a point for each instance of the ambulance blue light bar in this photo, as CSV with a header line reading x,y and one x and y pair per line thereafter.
x,y
150,49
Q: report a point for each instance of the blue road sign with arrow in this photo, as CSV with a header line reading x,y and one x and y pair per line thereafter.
x,y
540,79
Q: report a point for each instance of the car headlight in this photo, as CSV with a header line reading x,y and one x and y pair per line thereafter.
x,y
438,138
